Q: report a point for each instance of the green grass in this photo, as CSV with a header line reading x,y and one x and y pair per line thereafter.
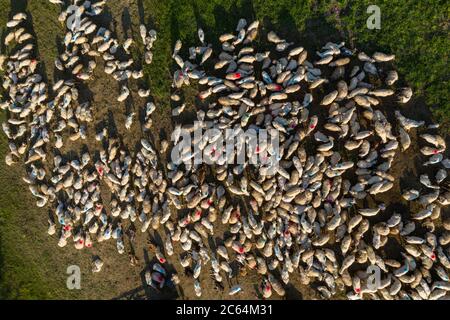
x,y
417,32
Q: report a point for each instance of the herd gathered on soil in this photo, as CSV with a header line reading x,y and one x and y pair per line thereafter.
x,y
320,216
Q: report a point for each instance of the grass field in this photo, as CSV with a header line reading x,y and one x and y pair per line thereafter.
x,y
417,32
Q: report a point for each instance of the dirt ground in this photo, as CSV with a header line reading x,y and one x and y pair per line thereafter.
x,y
118,279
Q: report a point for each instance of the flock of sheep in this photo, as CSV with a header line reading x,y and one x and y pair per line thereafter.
x,y
318,215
